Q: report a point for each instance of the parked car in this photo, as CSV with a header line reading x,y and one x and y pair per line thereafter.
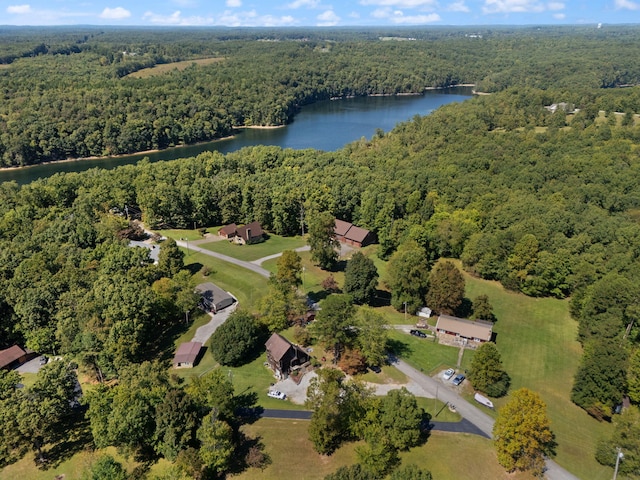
x,y
458,379
43,360
276,394
448,373
418,333
375,369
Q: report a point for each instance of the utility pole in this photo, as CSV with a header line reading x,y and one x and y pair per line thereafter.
x,y
405,312
619,456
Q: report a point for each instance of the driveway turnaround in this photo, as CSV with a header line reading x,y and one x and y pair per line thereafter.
x,y
203,333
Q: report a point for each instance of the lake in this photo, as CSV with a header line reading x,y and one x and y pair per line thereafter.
x,y
327,125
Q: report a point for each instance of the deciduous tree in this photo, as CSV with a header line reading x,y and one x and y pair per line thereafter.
x,y
322,240
446,288
361,279
408,276
522,435
486,373
236,340
332,326
216,443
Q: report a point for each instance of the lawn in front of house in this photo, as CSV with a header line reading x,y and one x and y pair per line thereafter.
x,y
537,340
246,286
272,245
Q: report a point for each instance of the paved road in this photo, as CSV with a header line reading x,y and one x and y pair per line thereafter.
x,y
248,265
470,412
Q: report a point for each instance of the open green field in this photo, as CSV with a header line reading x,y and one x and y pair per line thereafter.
x,y
274,244
537,340
447,456
163,68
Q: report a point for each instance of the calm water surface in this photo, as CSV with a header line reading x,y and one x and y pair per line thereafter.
x,y
327,125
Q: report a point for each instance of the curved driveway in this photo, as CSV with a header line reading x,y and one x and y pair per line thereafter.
x,y
248,265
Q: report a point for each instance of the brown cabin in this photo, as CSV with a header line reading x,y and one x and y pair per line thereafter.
x,y
348,233
283,356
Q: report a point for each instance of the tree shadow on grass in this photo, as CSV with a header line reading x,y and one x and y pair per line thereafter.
x,y
381,299
465,309
194,267
250,453
398,348
72,437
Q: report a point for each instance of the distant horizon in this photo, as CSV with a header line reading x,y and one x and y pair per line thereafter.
x,y
318,13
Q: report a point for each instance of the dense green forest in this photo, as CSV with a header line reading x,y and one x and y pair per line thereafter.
x,y
67,94
546,203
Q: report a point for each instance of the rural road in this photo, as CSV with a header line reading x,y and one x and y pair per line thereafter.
x,y
470,412
248,265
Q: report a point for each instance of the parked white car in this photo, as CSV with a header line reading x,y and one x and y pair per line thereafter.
x,y
276,394
448,373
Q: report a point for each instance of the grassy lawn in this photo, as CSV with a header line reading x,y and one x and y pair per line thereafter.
x,y
248,287
163,68
537,340
459,456
178,234
426,355
248,253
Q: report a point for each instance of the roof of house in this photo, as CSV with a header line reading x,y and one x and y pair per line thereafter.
x,y
228,229
342,227
466,328
187,352
254,227
277,345
212,292
154,250
10,355
357,234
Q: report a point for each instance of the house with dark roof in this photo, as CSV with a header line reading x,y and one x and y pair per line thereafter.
x,y
348,233
12,357
477,331
247,234
187,355
213,298
283,356
154,250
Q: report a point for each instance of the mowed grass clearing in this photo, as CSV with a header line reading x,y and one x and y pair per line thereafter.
x,y
274,244
537,340
164,68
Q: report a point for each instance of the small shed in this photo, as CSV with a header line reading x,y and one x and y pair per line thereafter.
x,y
213,298
476,331
187,355
283,356
12,357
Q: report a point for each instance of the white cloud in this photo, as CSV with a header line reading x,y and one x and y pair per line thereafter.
x,y
303,3
228,18
458,6
512,6
399,3
328,19
555,6
398,17
354,15
117,13
234,3
559,16
19,9
627,5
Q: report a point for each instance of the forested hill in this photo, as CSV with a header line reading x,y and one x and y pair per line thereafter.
x,y
70,93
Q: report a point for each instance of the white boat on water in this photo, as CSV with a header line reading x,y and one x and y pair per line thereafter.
x,y
483,400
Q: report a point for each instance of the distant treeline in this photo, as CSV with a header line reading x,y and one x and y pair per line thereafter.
x,y
66,93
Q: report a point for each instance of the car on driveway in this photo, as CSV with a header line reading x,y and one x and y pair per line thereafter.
x,y
458,379
448,373
276,394
418,333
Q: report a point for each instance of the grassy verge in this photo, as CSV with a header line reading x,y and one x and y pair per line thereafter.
x,y
274,244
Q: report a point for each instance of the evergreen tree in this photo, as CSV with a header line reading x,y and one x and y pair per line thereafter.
x,y
486,373
237,339
170,258
408,277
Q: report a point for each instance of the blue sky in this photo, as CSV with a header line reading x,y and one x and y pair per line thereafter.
x,y
273,13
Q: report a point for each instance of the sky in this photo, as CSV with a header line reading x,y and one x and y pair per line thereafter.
x,y
327,13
